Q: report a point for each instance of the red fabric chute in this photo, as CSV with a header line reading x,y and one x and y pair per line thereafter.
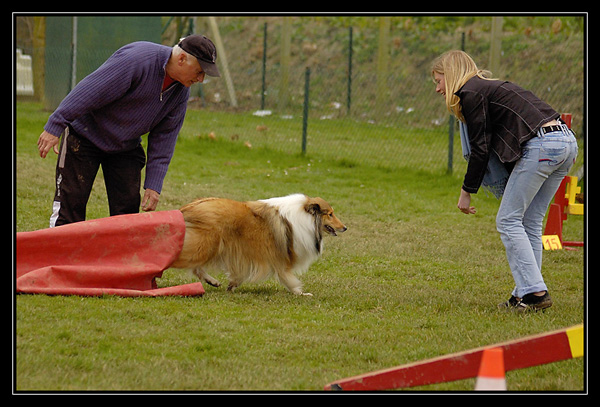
x,y
120,255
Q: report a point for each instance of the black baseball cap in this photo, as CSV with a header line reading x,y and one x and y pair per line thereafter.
x,y
204,51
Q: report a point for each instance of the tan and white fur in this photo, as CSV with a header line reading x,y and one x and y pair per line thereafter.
x,y
254,240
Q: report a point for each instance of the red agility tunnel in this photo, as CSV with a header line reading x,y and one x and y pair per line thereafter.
x,y
121,255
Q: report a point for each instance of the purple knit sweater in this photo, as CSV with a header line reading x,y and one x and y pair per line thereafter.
x,y
122,100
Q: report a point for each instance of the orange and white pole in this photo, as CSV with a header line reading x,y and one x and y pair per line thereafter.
x,y
491,374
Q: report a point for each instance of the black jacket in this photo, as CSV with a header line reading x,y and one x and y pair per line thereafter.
x,y
500,117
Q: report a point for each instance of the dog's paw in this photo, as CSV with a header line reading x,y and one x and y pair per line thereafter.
x,y
306,294
213,282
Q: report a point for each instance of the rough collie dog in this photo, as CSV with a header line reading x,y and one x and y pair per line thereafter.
x,y
254,240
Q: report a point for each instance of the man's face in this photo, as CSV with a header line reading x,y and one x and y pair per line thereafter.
x,y
188,70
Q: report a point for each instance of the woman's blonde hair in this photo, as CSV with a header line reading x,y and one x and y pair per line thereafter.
x,y
457,67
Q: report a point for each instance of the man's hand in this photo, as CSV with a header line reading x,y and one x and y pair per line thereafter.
x,y
464,203
46,142
150,200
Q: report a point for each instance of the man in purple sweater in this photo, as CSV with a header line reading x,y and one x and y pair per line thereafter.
x,y
142,88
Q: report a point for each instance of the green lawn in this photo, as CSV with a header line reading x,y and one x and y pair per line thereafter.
x,y
412,278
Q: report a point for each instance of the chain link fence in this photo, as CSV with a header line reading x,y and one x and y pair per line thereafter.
x,y
370,99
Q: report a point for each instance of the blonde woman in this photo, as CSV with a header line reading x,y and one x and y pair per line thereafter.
x,y
509,125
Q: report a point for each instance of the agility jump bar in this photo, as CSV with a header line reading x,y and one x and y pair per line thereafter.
x,y
521,353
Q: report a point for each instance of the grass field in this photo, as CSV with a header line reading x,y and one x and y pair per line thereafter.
x,y
412,278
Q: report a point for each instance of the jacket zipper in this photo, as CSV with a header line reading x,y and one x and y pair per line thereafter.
x,y
166,90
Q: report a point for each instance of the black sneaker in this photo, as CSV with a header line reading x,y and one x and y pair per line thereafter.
x,y
534,302
512,303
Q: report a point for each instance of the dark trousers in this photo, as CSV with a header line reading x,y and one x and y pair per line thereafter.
x,y
76,170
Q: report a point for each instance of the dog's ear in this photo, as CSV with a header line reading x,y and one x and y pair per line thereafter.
x,y
313,206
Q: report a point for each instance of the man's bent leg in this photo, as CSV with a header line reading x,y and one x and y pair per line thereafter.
x,y
122,177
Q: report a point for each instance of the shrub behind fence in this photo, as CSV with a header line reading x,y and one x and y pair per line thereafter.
x,y
371,98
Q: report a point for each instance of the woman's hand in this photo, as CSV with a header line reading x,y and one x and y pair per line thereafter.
x,y
464,203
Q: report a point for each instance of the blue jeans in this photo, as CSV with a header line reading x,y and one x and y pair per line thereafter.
x,y
532,184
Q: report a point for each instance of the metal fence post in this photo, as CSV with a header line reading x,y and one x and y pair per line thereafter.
x,y
305,113
264,69
452,123
349,100
450,143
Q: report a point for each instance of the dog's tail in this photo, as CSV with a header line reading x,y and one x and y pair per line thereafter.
x,y
196,202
